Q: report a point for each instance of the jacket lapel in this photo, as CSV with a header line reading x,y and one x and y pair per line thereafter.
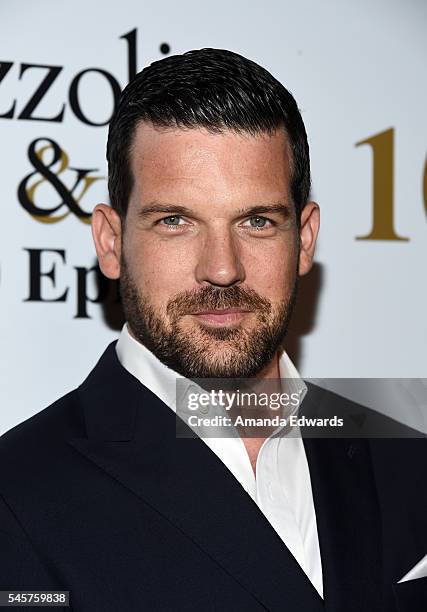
x,y
131,435
347,511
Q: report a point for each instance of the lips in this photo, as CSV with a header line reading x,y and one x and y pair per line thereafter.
x,y
228,316
220,312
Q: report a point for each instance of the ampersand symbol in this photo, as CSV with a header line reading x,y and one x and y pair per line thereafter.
x,y
27,188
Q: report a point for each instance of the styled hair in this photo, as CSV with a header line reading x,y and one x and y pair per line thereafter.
x,y
212,88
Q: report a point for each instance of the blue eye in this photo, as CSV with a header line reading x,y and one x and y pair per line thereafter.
x,y
174,220
257,222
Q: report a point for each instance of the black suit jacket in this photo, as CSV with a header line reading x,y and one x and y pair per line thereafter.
x,y
99,497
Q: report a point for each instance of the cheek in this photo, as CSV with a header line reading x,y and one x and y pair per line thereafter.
x,y
160,270
271,269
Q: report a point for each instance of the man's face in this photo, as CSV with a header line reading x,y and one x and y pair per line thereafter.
x,y
210,248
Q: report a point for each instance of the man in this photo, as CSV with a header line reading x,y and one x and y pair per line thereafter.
x,y
210,226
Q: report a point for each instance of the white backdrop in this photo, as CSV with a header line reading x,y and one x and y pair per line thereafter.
x,y
357,70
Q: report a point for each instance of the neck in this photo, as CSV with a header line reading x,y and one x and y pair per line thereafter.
x,y
271,370
253,445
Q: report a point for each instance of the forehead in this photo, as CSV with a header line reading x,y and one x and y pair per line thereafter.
x,y
176,160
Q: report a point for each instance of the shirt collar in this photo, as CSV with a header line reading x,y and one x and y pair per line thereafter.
x,y
147,368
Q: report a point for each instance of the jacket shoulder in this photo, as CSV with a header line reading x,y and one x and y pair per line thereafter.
x,y
40,441
62,417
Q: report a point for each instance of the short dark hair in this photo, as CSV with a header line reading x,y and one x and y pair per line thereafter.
x,y
212,88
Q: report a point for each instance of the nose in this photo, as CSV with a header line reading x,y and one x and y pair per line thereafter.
x,y
219,262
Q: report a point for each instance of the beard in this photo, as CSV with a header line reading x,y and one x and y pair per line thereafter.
x,y
199,351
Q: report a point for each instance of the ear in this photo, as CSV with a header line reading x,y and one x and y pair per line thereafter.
x,y
106,232
310,223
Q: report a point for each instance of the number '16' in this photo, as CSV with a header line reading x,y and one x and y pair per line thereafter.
x,y
382,197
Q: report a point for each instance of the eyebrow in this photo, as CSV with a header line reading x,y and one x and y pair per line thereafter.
x,y
177,209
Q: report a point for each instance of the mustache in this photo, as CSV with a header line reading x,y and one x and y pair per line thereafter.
x,y
217,298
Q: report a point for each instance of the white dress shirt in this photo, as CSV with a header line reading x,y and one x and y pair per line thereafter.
x,y
282,486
